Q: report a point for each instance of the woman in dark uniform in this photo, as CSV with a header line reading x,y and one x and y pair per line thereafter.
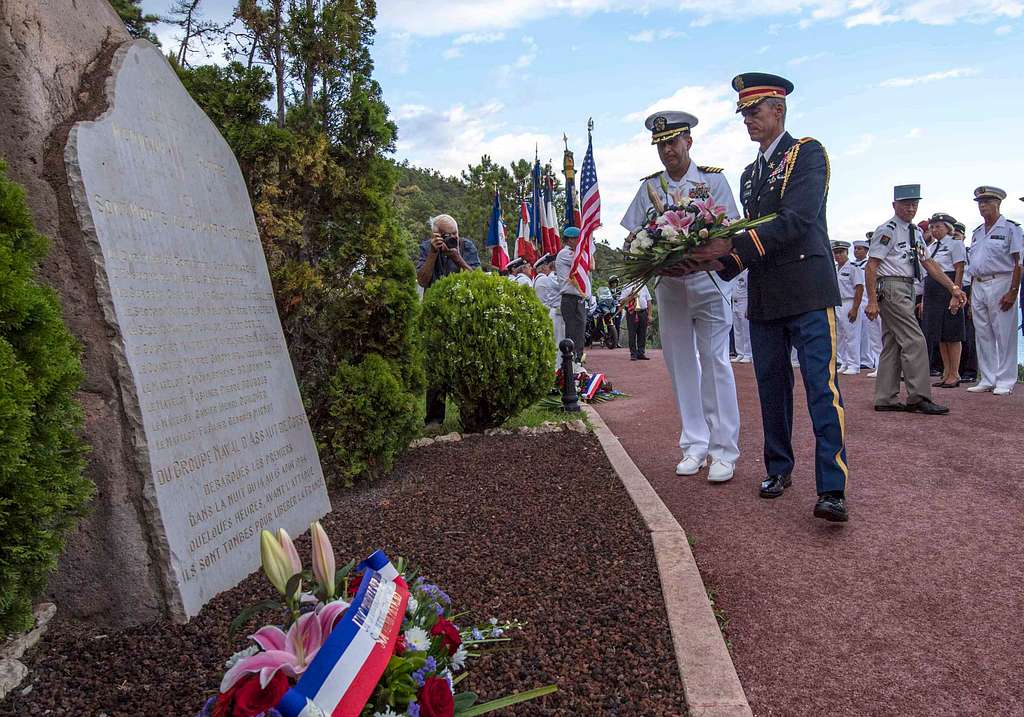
x,y
940,326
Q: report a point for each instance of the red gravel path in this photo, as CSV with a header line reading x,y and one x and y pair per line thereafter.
x,y
915,607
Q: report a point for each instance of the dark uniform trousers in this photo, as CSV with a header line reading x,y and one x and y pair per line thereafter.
x,y
791,294
636,324
814,335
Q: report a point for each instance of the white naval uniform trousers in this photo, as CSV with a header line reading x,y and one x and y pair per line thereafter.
x,y
694,319
740,322
870,331
847,332
995,331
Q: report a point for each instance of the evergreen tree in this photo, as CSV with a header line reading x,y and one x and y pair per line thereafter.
x,y
134,20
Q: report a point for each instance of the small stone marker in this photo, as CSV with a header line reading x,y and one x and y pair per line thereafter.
x,y
220,429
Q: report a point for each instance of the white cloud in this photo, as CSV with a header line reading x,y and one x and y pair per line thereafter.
x,y
1004,29
444,17
394,51
763,49
862,145
478,38
914,133
803,59
655,35
452,53
930,77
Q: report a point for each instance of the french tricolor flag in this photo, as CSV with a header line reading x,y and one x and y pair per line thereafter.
x,y
592,386
341,679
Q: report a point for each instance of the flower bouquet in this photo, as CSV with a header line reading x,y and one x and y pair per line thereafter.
x,y
367,640
672,231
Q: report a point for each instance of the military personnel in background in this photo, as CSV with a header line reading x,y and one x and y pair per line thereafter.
x,y
694,311
870,331
792,290
848,320
944,331
896,259
968,354
740,322
996,248
518,271
573,304
546,286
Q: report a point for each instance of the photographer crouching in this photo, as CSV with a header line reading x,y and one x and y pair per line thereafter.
x,y
444,253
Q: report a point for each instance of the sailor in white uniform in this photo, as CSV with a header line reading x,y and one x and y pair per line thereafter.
x,y
848,320
870,331
694,311
518,272
996,248
740,322
546,286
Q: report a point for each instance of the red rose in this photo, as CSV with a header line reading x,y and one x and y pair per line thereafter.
x,y
450,637
435,698
247,698
400,645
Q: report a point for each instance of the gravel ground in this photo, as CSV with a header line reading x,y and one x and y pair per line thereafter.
x,y
536,528
913,607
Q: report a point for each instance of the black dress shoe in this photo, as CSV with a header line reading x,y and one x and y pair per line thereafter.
x,y
831,508
632,358
927,407
890,407
642,357
774,486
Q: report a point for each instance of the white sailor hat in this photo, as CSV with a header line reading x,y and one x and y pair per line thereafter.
x,y
516,263
544,259
669,125
862,242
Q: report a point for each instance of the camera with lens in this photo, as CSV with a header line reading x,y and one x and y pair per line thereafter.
x,y
450,240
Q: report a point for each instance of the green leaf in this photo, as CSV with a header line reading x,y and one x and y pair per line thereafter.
x,y
244,616
465,700
507,701
343,571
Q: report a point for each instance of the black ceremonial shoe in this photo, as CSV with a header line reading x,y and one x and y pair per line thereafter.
x,y
831,508
774,486
927,407
890,407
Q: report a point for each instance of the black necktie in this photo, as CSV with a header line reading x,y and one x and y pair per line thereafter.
x,y
762,167
913,253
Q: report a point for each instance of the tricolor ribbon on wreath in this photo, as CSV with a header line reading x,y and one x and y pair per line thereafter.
x,y
341,679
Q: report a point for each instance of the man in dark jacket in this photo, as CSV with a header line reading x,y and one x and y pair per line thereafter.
x,y
792,290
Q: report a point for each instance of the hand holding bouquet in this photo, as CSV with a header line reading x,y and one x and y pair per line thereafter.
x,y
680,237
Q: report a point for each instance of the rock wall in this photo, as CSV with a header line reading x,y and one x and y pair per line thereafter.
x,y
54,61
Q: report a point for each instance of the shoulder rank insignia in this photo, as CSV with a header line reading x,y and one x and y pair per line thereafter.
x,y
711,170
891,225
1017,224
978,227
651,176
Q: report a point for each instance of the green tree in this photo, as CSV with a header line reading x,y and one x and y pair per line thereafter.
x,y
42,490
135,21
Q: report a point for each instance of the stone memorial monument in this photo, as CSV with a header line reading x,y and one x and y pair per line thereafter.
x,y
198,434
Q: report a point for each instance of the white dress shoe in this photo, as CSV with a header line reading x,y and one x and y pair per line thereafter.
x,y
980,388
1000,391
746,359
873,374
720,471
734,359
851,371
689,466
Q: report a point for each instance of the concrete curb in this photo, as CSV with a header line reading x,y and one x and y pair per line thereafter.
x,y
710,682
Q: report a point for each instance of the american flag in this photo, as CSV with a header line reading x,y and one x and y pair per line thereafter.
x,y
590,219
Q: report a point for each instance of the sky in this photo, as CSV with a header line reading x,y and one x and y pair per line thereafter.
x,y
925,92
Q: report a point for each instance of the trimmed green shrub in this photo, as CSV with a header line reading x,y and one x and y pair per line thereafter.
x,y
42,490
372,417
489,345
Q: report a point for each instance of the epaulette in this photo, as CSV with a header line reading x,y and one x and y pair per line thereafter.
x,y
891,225
805,140
651,176
711,170
1012,222
977,227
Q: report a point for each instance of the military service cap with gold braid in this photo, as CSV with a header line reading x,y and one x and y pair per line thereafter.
x,y
669,125
757,86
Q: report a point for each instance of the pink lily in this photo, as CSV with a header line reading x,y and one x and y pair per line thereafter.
x,y
289,549
323,558
291,653
680,221
328,615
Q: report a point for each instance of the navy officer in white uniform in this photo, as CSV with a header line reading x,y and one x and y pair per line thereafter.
x,y
848,319
695,311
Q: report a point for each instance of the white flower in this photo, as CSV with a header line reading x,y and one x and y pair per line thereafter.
x,y
669,232
417,639
386,713
412,605
703,233
241,655
459,658
635,248
661,221
646,242
447,675
684,201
